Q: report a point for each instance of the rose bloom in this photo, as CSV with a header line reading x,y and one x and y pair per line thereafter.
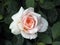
x,y
28,23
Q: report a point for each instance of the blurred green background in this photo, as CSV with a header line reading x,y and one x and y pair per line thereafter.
x,y
49,9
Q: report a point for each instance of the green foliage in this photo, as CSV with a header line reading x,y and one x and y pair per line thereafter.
x,y
52,15
18,40
41,1
42,14
56,30
56,43
41,43
45,38
56,2
7,42
46,4
28,42
29,3
1,17
11,8
49,9
8,19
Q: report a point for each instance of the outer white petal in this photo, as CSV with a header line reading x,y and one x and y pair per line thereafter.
x,y
15,31
28,10
12,25
44,25
14,28
37,16
17,16
28,36
20,26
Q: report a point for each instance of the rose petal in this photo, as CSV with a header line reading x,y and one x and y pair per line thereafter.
x,y
44,25
37,17
17,16
36,28
15,31
14,28
17,28
20,26
28,10
12,25
28,36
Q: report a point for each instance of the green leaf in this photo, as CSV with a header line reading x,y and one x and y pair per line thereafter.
x,y
12,8
42,1
29,3
57,39
56,30
18,40
7,32
8,19
56,2
40,43
45,38
1,17
7,42
56,43
28,43
1,7
52,15
47,5
42,14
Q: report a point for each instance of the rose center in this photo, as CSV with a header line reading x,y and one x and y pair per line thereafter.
x,y
28,22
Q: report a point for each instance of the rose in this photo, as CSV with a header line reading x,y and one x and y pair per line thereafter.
x,y
28,23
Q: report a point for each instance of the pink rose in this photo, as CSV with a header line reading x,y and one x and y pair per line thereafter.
x,y
28,23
